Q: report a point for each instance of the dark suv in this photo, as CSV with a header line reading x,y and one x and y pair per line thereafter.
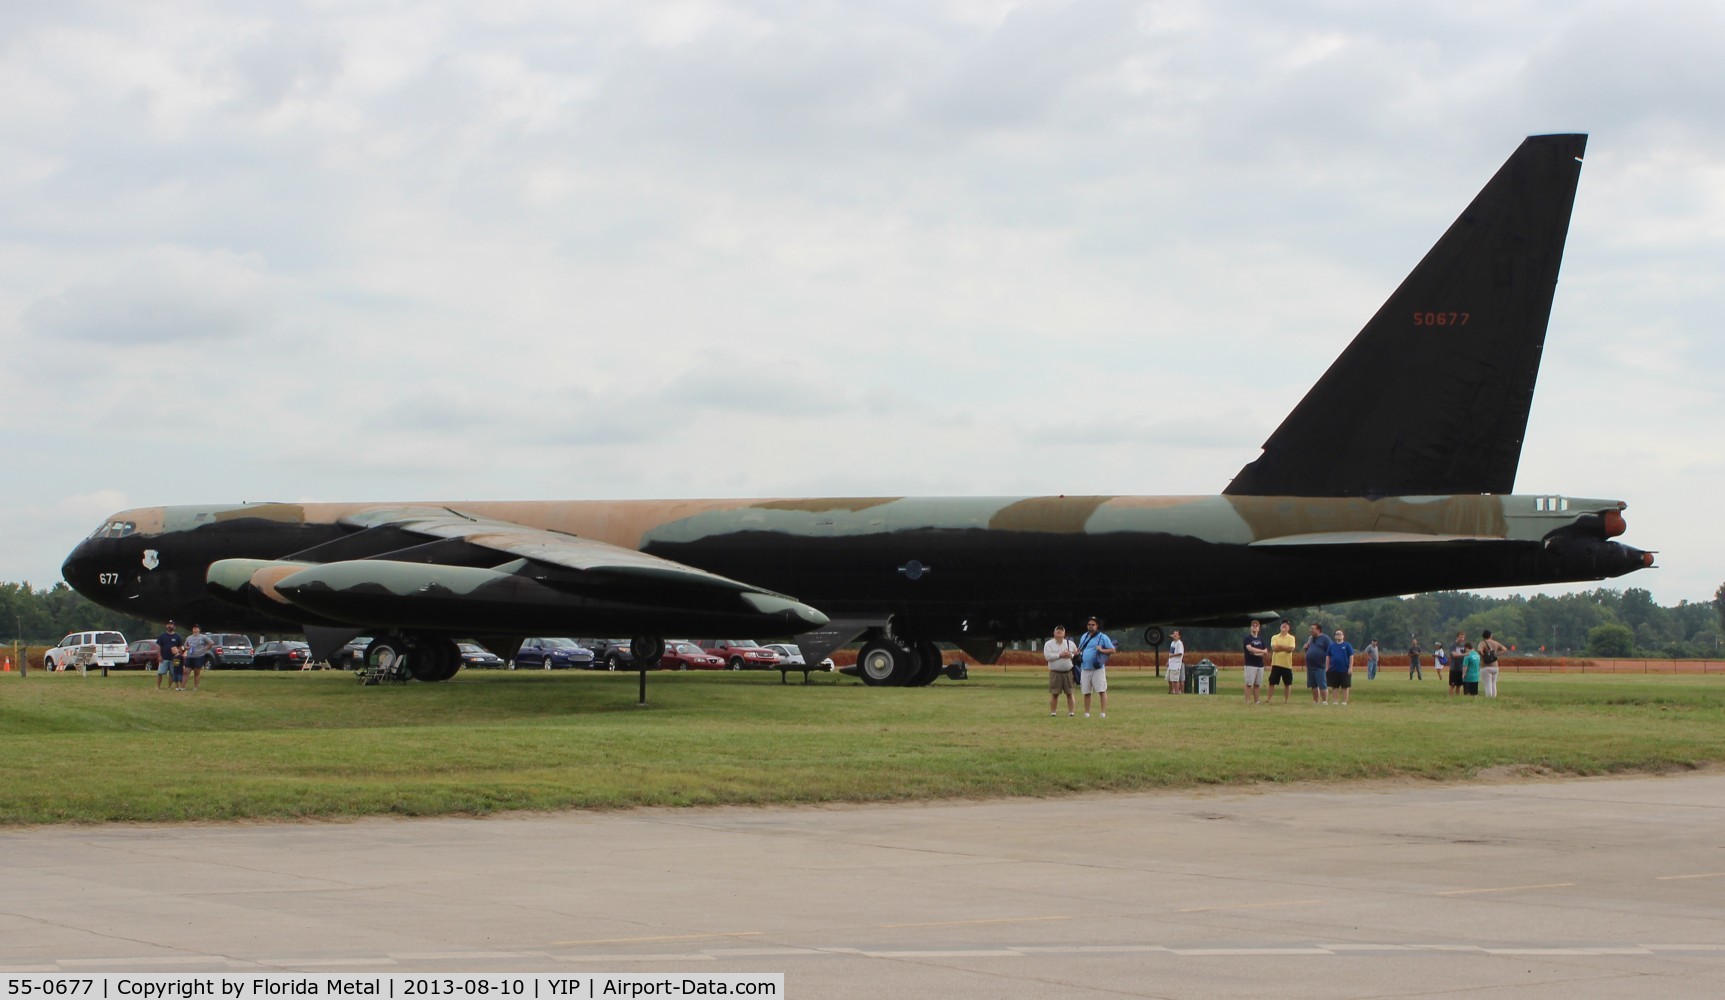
x,y
611,654
231,651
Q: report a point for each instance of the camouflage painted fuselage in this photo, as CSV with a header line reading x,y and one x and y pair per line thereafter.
x,y
939,568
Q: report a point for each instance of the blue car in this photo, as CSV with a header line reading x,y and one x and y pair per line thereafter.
x,y
551,654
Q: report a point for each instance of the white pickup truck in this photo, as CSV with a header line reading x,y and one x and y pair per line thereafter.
x,y
82,650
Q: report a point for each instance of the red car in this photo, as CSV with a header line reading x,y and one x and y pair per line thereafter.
x,y
144,653
740,654
681,654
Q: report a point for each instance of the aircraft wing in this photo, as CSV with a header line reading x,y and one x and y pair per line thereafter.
x,y
444,569
544,546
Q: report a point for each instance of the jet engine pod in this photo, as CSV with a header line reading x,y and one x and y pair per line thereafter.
x,y
251,584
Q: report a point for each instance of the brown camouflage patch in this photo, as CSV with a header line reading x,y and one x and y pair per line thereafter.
x,y
1053,515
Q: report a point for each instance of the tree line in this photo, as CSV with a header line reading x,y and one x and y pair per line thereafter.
x,y
1601,622
41,617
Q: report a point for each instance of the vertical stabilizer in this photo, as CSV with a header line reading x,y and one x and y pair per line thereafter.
x,y
1432,396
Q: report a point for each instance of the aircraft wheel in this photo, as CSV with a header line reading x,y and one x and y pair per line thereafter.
x,y
885,664
648,651
929,666
434,658
385,653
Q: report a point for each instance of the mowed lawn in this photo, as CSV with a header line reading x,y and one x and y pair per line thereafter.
x,y
95,749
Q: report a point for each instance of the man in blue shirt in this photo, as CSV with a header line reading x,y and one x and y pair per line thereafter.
x,y
1317,660
1341,667
168,643
1093,676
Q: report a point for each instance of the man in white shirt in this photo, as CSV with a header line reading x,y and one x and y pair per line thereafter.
x,y
1176,664
1059,651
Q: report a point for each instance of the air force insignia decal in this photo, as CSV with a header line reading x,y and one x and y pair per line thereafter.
x,y
151,560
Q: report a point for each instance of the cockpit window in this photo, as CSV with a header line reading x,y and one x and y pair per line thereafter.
x,y
115,529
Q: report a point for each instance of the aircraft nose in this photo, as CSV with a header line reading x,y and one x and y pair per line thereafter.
x,y
76,569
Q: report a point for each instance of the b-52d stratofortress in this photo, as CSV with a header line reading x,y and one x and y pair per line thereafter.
x,y
1366,489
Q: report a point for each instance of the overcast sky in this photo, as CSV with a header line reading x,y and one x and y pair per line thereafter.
x,y
398,251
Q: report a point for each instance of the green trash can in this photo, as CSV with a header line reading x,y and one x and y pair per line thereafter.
x,y
1200,677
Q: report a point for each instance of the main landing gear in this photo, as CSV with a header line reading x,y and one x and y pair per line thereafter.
x,y
889,661
412,654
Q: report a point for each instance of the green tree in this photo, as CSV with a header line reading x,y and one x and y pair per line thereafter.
x,y
1611,640
1507,623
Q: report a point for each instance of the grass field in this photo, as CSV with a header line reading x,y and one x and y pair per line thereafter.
x,y
318,745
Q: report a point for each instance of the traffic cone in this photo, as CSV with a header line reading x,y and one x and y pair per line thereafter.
x,y
8,667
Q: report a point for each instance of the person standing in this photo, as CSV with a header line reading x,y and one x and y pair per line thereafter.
x,y
1093,674
1470,670
1440,660
1317,662
1176,664
1339,674
1458,651
1282,662
1414,660
168,644
1371,661
1059,651
1255,651
198,646
1489,652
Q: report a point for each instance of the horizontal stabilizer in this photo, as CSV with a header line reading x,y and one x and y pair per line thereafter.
x,y
1367,538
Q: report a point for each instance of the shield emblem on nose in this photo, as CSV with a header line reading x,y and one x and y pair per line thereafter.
x,y
151,561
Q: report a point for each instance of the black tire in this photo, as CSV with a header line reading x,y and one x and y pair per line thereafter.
x,y
384,654
433,659
646,652
736,663
885,664
614,661
928,667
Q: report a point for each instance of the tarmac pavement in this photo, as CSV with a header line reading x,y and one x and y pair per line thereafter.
x,y
1528,888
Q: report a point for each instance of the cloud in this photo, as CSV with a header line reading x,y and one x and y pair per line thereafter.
x,y
748,247
164,295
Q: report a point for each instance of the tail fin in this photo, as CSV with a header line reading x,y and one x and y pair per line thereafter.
x,y
1432,396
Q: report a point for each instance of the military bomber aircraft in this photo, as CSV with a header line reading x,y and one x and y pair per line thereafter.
x,y
1359,493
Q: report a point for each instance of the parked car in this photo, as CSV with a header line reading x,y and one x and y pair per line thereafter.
x,y
740,654
352,655
475,655
231,651
681,654
144,654
101,649
790,655
551,654
281,655
612,654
